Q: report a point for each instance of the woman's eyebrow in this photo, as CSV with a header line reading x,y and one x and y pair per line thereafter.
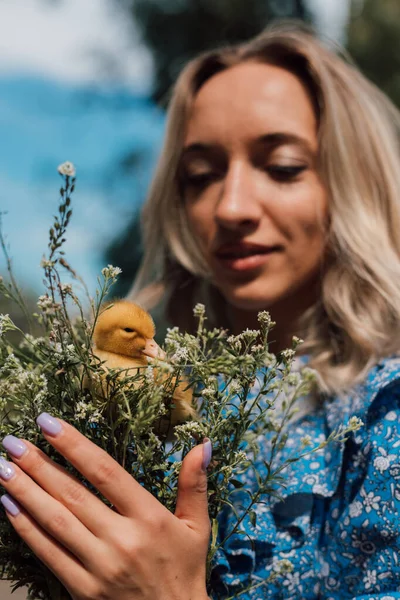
x,y
279,138
272,140
196,147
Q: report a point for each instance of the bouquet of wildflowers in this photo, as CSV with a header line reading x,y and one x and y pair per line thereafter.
x,y
235,382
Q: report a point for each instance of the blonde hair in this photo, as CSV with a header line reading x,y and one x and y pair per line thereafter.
x,y
356,320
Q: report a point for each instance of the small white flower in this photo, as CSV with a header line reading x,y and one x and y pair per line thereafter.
x,y
67,169
95,417
70,352
241,456
250,333
283,566
46,264
257,348
264,318
199,310
305,441
111,272
293,379
5,324
65,288
208,392
46,304
149,373
180,354
81,410
235,342
235,386
288,354
189,430
172,330
355,423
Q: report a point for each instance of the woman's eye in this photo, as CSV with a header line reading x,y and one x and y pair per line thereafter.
x,y
199,180
278,172
285,173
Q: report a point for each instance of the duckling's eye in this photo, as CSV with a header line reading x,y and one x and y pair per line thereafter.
x,y
129,330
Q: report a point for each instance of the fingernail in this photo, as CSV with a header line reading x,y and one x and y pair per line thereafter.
x,y
6,469
48,424
14,446
10,505
207,452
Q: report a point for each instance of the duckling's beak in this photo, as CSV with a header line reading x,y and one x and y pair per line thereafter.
x,y
153,350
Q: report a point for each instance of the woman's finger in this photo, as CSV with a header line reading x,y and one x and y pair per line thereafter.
x,y
60,484
65,567
49,514
107,476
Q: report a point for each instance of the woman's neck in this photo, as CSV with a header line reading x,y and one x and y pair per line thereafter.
x,y
287,315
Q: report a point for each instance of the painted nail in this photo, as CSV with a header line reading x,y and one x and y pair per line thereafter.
x,y
6,469
207,452
10,505
14,446
48,424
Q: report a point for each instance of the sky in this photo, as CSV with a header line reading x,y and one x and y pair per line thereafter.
x,y
59,101
72,40
42,124
331,17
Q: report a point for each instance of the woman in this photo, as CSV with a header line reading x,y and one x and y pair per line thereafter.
x,y
278,189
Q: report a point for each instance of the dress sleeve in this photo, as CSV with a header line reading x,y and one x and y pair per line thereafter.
x,y
361,548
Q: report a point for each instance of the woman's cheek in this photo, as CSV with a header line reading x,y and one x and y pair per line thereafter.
x,y
200,220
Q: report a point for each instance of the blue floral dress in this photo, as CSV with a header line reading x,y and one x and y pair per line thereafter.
x,y
339,523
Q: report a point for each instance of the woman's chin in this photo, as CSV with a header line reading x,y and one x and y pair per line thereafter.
x,y
250,300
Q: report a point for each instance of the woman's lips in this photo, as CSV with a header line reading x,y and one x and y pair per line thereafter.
x,y
246,263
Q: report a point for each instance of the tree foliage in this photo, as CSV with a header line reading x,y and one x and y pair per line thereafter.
x,y
177,30
374,43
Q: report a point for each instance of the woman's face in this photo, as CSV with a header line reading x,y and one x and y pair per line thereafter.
x,y
250,183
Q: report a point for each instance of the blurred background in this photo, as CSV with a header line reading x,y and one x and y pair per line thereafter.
x,y
88,82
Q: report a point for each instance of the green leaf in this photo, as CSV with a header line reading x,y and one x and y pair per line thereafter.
x,y
236,483
253,517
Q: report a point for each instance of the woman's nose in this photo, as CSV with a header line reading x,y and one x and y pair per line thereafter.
x,y
238,207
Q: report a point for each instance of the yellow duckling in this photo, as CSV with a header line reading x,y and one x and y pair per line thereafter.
x,y
124,338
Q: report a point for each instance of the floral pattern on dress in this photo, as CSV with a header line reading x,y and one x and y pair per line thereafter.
x,y
339,522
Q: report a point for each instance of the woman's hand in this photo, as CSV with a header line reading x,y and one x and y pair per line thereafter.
x,y
139,551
